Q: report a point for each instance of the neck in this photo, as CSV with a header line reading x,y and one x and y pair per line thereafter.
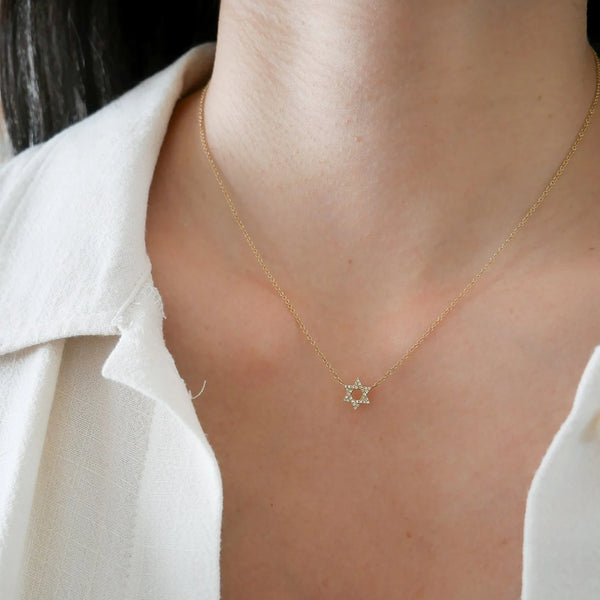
x,y
357,120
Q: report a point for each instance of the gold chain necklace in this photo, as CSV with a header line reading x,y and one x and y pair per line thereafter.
x,y
357,385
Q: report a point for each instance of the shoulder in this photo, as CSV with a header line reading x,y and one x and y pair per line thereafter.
x,y
72,212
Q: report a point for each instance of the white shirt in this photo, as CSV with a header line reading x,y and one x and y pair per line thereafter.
x,y
109,488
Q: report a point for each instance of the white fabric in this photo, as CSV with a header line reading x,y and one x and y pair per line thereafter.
x,y
108,486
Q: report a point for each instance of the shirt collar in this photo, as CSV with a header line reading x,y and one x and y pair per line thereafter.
x,y
73,213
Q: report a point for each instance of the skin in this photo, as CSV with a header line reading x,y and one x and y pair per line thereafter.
x,y
378,154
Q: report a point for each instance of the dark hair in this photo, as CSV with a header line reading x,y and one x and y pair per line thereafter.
x,y
63,59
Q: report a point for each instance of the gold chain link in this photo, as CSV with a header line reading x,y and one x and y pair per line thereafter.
x,y
455,300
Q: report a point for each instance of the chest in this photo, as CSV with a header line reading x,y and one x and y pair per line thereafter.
x,y
421,493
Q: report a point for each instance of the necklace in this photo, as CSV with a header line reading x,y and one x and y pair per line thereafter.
x,y
357,386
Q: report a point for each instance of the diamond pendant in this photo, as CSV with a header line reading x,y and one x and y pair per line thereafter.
x,y
364,390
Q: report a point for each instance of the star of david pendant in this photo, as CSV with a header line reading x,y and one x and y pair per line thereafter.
x,y
364,390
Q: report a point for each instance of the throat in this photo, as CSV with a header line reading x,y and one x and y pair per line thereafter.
x,y
396,131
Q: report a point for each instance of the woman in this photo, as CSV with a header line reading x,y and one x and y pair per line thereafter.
x,y
377,155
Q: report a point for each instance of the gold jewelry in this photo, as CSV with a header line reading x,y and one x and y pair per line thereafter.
x,y
357,385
